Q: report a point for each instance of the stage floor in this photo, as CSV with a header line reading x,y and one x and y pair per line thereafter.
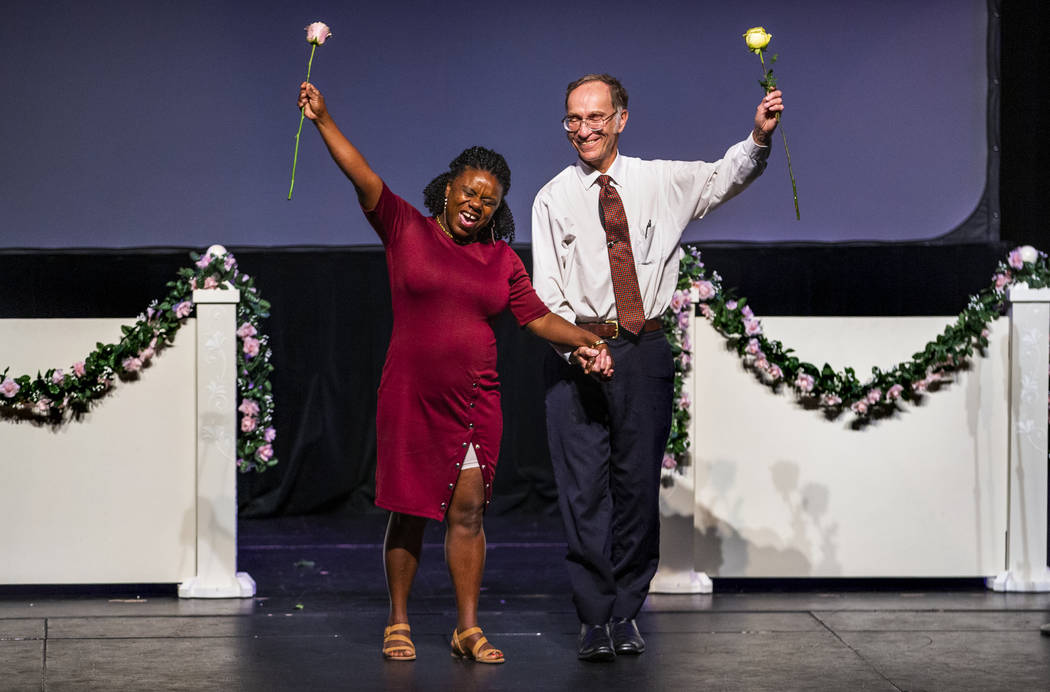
x,y
317,620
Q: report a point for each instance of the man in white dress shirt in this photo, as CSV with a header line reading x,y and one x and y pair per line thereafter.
x,y
605,250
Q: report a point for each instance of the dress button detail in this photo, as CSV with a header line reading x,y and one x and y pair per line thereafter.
x,y
457,464
472,404
450,486
464,444
470,425
443,505
475,385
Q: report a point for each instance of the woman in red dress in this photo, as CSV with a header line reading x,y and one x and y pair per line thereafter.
x,y
438,421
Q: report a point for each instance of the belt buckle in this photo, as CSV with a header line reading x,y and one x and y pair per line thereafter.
x,y
616,328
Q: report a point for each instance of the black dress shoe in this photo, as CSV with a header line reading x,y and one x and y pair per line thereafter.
x,y
595,644
626,637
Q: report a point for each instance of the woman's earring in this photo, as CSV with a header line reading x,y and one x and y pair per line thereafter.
x,y
445,205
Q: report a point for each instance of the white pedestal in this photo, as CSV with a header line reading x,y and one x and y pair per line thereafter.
x,y
217,575
1026,550
676,573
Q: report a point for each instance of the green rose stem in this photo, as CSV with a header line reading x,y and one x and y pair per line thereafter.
x,y
769,87
302,114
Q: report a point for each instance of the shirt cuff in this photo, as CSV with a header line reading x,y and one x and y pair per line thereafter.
x,y
754,150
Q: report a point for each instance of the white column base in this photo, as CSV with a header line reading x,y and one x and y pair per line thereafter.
x,y
681,581
240,585
1037,581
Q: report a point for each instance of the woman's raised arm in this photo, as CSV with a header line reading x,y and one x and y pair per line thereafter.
x,y
346,156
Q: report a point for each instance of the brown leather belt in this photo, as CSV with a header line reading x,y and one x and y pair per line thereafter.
x,y
610,329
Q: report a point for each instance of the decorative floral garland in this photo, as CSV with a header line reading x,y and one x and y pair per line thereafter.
x,y
831,390
59,395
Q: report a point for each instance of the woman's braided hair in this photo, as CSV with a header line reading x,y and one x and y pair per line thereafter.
x,y
479,158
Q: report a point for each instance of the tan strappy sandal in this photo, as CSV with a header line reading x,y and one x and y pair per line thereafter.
x,y
396,640
492,655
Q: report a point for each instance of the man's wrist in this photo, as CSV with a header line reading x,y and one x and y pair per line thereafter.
x,y
761,137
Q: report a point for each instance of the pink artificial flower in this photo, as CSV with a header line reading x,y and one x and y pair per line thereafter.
x,y
685,359
210,283
317,33
1015,259
131,364
78,368
874,396
264,453
247,424
246,330
705,290
831,400
761,363
229,262
747,313
251,347
894,392
684,401
1001,280
249,407
42,406
859,407
150,314
686,343
775,372
204,261
193,283
683,320
752,327
58,377
730,305
183,309
805,383
920,385
9,388
669,462
269,434
753,347
706,311
146,353
679,299
986,333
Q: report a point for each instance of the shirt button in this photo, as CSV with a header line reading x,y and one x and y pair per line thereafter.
x,y
450,486
457,464
464,444
475,385
443,505
472,404
471,426
477,446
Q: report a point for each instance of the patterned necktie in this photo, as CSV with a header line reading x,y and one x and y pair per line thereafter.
x,y
629,309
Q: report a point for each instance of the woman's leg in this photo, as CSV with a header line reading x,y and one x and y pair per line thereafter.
x,y
465,549
401,551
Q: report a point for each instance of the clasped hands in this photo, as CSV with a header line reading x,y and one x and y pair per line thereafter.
x,y
595,360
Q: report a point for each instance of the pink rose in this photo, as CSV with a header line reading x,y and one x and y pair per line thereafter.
x,y
131,364
264,453
9,387
775,372
251,347
1015,259
730,305
705,290
752,327
193,283
246,330
58,377
247,424
78,368
753,347
683,320
249,407
747,313
805,383
317,33
1001,280
831,400
229,262
210,283
920,385
683,400
269,434
147,353
679,299
204,261
669,462
859,407
183,309
894,392
706,311
685,359
874,396
42,407
761,363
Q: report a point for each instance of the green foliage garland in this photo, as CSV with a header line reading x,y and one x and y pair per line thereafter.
x,y
59,395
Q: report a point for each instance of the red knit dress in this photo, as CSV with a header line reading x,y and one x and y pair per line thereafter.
x,y
440,391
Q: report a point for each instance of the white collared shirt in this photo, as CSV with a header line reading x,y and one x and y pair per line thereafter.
x,y
570,260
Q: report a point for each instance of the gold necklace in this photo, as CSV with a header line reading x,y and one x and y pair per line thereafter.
x,y
444,230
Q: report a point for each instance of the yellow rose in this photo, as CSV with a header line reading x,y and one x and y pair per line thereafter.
x,y
756,38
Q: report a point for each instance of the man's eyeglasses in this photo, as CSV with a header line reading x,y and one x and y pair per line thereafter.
x,y
572,123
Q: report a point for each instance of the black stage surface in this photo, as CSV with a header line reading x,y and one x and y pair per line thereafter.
x,y
317,620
